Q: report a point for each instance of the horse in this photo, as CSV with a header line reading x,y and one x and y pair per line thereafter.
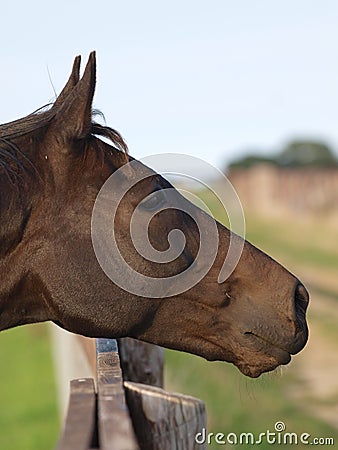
x,y
53,165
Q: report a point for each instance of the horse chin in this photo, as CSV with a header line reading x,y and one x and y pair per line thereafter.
x,y
252,357
264,363
254,371
259,354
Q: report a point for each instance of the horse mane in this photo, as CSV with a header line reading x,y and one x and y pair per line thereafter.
x,y
12,157
28,124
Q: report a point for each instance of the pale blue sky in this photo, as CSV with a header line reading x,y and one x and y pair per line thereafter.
x,y
212,79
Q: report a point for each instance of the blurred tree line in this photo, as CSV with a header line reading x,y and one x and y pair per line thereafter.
x,y
298,153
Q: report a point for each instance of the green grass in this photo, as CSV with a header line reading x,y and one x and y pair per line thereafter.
x,y
28,414
327,324
301,243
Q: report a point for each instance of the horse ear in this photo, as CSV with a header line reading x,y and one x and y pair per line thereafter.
x,y
73,118
71,83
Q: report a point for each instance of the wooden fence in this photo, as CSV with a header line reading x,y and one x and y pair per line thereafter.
x,y
125,407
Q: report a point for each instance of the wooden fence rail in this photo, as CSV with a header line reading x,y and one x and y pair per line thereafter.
x,y
126,407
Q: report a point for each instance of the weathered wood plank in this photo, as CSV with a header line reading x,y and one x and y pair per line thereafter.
x,y
141,362
79,424
163,420
114,423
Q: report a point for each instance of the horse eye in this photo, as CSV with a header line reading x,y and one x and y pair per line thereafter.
x,y
154,201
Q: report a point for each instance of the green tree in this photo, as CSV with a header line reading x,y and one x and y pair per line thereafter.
x,y
251,160
306,153
298,153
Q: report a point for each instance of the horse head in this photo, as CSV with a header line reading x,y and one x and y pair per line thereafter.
x,y
53,166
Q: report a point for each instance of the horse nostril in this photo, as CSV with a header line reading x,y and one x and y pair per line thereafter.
x,y
301,300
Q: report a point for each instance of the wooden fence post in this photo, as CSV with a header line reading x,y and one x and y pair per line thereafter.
x,y
164,420
79,426
125,415
114,424
141,362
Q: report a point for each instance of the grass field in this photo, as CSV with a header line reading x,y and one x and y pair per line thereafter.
x,y
296,395
28,414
